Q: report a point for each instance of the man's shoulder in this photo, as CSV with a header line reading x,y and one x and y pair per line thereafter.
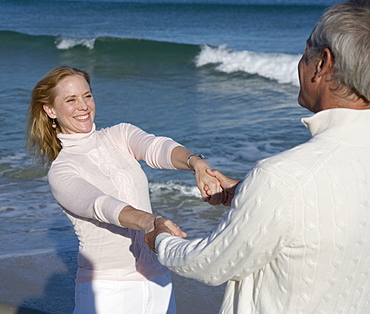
x,y
298,162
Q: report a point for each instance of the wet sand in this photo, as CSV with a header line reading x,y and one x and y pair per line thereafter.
x,y
44,283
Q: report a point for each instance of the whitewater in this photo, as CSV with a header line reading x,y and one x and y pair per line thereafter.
x,y
281,67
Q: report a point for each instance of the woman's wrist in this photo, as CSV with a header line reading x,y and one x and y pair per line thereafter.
x,y
149,224
137,219
193,160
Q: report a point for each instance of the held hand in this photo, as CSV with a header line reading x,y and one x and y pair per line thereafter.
x,y
227,184
162,225
207,184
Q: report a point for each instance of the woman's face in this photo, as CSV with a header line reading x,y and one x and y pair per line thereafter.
x,y
74,106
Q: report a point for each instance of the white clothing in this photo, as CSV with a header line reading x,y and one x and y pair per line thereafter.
x,y
297,236
154,296
93,178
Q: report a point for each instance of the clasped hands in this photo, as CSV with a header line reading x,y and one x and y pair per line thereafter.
x,y
217,192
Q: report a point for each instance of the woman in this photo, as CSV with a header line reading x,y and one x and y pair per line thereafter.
x,y
97,180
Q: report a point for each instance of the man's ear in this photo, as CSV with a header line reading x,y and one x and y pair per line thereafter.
x,y
324,65
49,111
319,65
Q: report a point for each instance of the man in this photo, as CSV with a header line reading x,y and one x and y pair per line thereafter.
x,y
296,238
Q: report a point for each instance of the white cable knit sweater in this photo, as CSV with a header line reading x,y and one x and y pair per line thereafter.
x,y
94,177
297,236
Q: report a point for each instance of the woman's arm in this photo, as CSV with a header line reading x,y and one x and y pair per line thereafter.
x,y
133,218
164,153
83,199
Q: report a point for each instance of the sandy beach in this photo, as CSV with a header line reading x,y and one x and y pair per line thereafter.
x,y
44,283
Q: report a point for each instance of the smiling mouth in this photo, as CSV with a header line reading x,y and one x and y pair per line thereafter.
x,y
82,117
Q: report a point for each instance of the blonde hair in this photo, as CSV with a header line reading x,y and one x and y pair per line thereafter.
x,y
41,138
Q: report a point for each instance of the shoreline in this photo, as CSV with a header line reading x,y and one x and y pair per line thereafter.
x,y
43,282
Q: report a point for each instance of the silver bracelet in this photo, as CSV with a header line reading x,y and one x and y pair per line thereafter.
x,y
193,155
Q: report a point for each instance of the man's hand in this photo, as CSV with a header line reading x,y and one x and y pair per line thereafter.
x,y
228,185
163,225
207,184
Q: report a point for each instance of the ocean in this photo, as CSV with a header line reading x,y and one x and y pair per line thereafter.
x,y
219,77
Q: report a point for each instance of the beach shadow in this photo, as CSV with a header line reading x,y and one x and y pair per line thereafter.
x,y
52,275
24,310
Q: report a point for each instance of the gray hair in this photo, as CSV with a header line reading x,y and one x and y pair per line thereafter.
x,y
345,29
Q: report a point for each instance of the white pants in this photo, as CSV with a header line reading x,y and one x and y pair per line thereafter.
x,y
126,297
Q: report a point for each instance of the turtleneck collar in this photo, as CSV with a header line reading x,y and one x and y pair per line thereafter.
x,y
78,141
341,124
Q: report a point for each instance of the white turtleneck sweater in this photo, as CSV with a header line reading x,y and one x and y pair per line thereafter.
x,y
297,236
93,178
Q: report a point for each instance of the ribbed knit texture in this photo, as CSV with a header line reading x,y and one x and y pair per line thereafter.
x,y
94,177
296,239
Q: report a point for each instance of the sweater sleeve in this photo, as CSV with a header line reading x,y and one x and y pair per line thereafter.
x,y
252,233
154,150
66,186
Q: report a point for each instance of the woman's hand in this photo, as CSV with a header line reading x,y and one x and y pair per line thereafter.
x,y
228,186
162,225
208,185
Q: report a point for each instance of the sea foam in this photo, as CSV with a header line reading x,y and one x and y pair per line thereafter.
x,y
174,187
64,43
276,66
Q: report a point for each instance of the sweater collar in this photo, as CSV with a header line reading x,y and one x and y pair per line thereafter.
x,y
78,141
341,124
